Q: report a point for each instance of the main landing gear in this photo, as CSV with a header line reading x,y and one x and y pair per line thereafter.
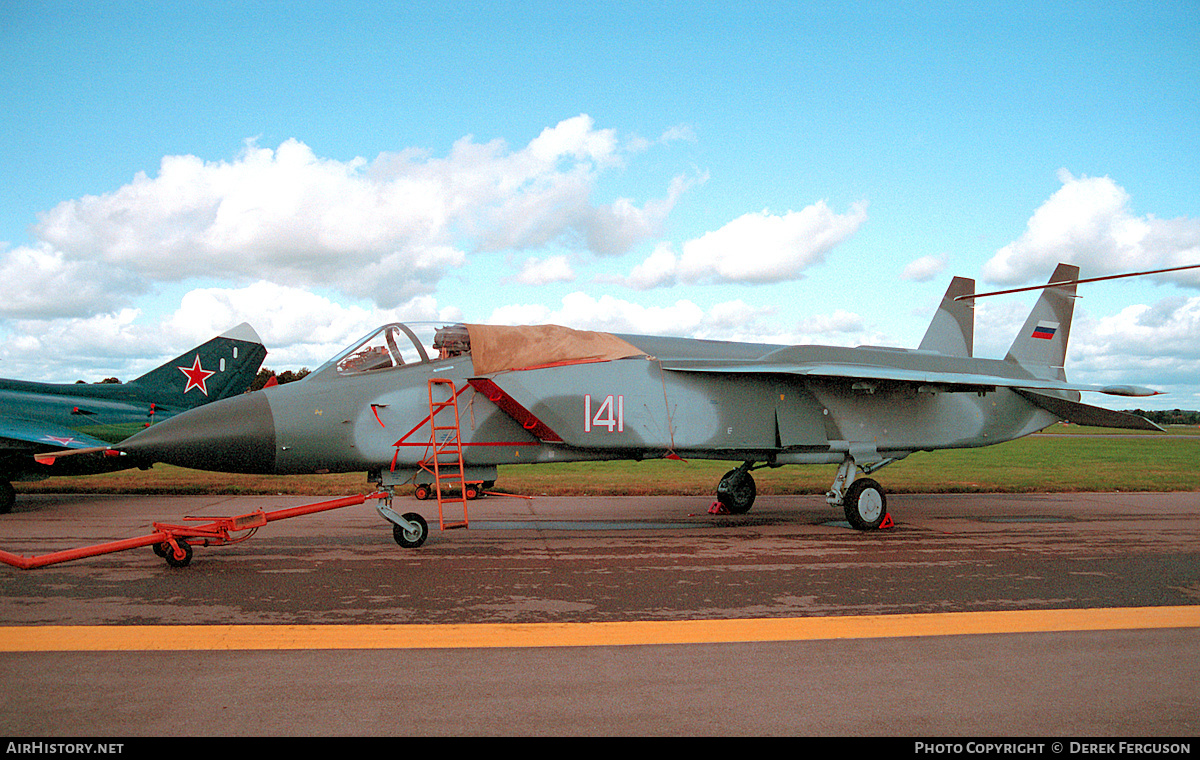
x,y
736,491
861,498
865,505
8,497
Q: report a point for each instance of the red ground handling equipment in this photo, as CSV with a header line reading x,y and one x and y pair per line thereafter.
x,y
174,542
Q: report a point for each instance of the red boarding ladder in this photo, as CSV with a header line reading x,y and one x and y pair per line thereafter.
x,y
443,457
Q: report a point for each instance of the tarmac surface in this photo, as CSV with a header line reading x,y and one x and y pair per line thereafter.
x,y
1064,615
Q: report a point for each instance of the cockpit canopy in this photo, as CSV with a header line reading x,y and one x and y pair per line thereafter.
x,y
398,345
493,348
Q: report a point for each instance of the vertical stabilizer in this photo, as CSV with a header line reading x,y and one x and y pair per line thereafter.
x,y
1041,346
952,331
224,366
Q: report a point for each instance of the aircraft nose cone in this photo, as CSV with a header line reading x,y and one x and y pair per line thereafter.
x,y
234,435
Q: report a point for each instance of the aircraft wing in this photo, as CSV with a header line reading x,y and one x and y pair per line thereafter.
x,y
1085,414
965,381
33,437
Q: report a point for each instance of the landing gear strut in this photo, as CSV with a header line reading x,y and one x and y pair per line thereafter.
x,y
409,530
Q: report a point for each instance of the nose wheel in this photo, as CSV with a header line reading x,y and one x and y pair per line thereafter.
x,y
410,529
413,534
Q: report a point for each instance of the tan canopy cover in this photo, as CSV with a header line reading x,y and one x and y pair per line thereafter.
x,y
496,348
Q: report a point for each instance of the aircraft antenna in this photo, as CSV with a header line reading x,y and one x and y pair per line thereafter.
x,y
1069,282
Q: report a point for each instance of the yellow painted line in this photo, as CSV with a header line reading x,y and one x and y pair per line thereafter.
x,y
149,638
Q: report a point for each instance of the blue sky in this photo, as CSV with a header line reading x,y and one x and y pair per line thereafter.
x,y
784,172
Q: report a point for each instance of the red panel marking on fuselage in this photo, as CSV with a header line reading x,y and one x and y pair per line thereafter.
x,y
509,406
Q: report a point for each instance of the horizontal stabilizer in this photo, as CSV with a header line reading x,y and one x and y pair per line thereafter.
x,y
1085,414
37,436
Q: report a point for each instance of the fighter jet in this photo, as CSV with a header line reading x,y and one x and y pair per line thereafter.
x,y
397,402
49,429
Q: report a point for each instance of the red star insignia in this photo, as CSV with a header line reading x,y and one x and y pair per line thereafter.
x,y
196,375
59,441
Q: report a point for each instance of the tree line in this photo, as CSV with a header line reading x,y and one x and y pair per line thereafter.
x,y
1170,416
282,378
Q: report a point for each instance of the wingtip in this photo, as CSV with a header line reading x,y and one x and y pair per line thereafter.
x,y
1130,390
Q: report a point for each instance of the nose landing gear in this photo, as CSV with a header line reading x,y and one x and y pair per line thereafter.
x,y
410,529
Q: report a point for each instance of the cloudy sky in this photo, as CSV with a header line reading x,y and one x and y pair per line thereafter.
x,y
782,172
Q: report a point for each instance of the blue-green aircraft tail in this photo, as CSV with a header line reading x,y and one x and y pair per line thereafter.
x,y
59,429
224,366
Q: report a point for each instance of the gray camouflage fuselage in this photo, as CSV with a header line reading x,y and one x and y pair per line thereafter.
x,y
634,408
642,397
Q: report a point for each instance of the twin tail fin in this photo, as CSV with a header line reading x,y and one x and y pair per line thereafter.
x,y
1041,346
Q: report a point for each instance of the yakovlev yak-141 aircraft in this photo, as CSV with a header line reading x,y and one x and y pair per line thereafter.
x,y
553,394
50,429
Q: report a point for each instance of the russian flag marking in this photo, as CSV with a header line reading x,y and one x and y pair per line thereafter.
x,y
1045,330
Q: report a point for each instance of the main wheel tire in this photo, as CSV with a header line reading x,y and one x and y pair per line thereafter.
x,y
865,504
8,497
411,539
736,491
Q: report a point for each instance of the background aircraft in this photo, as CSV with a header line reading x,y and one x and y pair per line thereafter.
x,y
37,419
407,395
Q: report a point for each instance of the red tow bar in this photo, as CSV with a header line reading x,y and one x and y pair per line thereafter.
x,y
174,542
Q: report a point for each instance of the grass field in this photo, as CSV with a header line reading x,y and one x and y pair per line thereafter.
x,y
1066,458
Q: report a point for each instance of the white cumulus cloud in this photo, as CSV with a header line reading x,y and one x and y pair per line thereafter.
x,y
386,230
757,247
536,271
924,269
733,320
1088,222
41,282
